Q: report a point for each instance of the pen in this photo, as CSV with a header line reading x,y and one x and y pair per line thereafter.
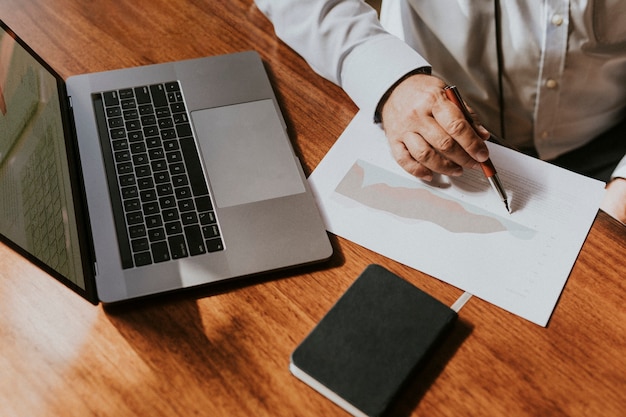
x,y
488,169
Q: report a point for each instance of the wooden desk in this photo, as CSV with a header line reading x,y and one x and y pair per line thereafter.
x,y
224,351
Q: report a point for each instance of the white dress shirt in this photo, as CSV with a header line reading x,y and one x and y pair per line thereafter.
x,y
564,61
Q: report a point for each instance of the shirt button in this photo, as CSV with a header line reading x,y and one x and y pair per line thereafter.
x,y
557,20
550,83
545,135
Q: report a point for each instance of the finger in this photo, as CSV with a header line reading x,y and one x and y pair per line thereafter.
x,y
454,124
478,126
413,146
402,156
444,144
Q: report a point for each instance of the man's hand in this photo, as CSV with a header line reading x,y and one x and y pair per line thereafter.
x,y
428,133
614,202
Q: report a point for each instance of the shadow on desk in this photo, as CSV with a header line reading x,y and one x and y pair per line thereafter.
x,y
218,341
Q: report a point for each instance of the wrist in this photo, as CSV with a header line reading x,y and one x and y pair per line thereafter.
x,y
378,114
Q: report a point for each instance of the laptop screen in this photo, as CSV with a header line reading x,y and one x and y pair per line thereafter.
x,y
36,200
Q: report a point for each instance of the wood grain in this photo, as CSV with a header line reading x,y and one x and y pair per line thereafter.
x,y
224,350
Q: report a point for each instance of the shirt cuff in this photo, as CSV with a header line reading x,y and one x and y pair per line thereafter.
x,y
374,67
620,170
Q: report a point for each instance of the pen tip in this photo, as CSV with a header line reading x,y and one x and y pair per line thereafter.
x,y
506,204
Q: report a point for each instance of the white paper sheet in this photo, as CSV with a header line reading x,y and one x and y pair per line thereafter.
x,y
457,229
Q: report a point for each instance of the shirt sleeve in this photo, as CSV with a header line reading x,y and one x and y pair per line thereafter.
x,y
343,41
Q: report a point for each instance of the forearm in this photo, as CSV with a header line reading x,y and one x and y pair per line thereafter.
x,y
343,41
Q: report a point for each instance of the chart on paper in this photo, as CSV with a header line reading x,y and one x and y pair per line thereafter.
x,y
382,190
456,229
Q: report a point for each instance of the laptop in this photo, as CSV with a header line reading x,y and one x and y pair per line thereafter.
x,y
140,181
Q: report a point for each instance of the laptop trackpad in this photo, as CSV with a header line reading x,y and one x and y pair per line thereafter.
x,y
247,154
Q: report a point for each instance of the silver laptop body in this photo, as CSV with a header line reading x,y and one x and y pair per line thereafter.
x,y
259,214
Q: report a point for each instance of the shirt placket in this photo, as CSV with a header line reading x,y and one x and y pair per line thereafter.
x,y
556,21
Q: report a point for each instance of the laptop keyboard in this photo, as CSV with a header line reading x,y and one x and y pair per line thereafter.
x,y
161,202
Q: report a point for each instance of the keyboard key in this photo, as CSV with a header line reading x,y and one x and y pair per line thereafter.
x,y
118,133
207,218
142,259
180,118
172,86
183,192
174,157
170,215
166,123
186,205
145,109
131,114
143,171
111,98
210,232
116,122
143,95
178,107
148,195
130,192
173,228
154,221
163,112
126,93
148,120
153,142
132,205
120,145
159,165
177,169
194,167
160,251
184,130
137,231
140,245
178,246
134,217
151,208
159,96
156,153
137,147
136,136
189,217
195,240
204,203
214,245
122,156
167,202
124,168
156,234
179,180
145,183
168,134
128,104
162,177
114,111
127,180
164,189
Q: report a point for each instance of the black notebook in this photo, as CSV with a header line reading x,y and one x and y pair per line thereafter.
x,y
371,341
